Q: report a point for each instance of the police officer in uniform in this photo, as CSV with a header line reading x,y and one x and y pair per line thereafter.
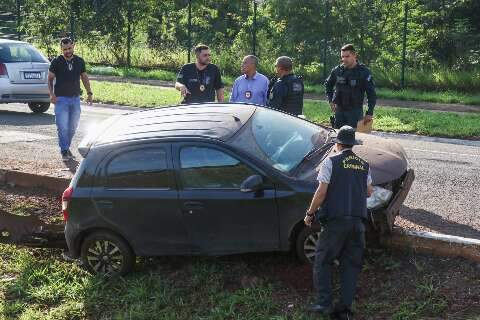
x,y
200,81
346,87
344,185
287,93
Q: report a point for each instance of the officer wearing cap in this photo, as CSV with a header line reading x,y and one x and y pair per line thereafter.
x,y
287,92
344,185
346,87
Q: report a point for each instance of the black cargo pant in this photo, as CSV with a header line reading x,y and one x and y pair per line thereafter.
x,y
342,239
348,118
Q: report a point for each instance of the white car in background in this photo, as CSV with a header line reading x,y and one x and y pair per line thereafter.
x,y
23,75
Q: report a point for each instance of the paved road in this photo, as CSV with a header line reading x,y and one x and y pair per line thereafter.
x,y
445,196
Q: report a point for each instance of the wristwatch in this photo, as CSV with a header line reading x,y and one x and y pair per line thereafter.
x,y
310,215
89,93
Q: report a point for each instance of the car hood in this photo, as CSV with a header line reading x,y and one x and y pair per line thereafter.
x,y
387,159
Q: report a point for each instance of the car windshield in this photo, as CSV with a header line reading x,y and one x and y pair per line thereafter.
x,y
19,52
280,139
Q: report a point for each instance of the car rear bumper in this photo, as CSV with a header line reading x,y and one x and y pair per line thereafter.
x,y
23,93
71,234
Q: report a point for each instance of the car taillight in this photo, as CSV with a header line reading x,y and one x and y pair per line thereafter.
x,y
3,71
66,197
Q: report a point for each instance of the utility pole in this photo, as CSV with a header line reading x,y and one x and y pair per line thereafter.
x,y
189,49
19,19
254,35
326,38
404,49
129,33
72,20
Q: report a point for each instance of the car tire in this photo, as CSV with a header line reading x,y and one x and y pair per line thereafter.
x,y
305,244
104,252
39,107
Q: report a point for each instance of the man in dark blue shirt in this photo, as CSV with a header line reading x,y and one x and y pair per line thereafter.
x,y
346,87
287,92
344,185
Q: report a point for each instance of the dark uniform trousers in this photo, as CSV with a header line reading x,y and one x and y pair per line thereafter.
x,y
342,238
346,88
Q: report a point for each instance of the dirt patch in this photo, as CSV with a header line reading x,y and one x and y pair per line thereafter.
x,y
36,202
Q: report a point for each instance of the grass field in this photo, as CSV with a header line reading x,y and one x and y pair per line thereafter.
x,y
40,284
384,93
386,118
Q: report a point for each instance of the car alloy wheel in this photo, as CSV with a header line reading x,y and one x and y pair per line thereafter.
x,y
306,242
309,246
105,253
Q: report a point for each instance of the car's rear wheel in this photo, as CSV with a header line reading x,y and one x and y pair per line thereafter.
x,y
39,107
306,242
103,252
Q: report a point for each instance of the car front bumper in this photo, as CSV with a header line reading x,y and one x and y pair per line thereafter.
x,y
393,209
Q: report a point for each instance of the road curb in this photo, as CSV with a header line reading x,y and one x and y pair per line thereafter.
x,y
31,180
434,243
426,242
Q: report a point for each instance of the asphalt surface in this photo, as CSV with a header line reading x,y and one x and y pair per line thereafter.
x,y
445,196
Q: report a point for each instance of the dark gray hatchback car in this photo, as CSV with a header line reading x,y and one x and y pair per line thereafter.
x,y
210,179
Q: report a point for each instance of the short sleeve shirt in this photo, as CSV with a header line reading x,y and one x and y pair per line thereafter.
x,y
67,75
325,172
202,84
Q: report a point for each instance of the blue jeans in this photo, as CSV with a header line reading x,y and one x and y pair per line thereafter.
x,y
67,116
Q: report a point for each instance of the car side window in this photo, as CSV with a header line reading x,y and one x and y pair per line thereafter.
x,y
208,168
140,169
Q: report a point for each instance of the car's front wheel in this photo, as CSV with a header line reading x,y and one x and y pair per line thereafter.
x,y
39,107
306,242
103,252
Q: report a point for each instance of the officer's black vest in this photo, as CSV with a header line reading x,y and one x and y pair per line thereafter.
x,y
347,190
349,87
294,100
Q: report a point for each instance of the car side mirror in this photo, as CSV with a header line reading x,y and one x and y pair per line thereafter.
x,y
252,184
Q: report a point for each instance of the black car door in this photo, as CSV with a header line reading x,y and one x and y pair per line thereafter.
x,y
136,195
220,217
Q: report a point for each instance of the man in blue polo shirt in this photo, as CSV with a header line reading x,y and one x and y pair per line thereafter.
x,y
252,86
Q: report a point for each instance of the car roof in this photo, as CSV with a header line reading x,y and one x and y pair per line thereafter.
x,y
211,120
12,41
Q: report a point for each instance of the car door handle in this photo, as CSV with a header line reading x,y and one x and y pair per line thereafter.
x,y
105,204
192,206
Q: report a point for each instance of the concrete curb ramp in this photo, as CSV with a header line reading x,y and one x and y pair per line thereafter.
x,y
434,243
29,180
426,242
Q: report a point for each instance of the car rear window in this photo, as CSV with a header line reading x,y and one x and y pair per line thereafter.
x,y
13,52
140,169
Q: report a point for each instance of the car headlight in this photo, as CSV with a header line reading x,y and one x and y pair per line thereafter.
x,y
379,197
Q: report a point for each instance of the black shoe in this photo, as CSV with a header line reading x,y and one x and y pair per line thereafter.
x,y
318,308
342,313
65,156
69,153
